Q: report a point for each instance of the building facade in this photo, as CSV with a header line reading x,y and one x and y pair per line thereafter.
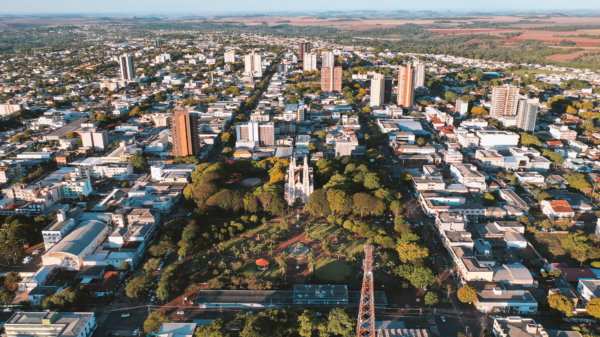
x,y
405,86
262,134
126,67
303,48
377,89
526,114
331,79
505,100
184,133
419,75
96,140
299,182
309,62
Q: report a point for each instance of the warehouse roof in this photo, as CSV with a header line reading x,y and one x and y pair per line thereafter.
x,y
79,239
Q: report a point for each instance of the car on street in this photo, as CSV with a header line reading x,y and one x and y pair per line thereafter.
x,y
125,315
7,310
35,252
161,265
443,319
153,299
136,332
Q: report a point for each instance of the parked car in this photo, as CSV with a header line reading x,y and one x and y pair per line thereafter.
x,y
7,310
153,299
443,319
36,252
181,312
125,315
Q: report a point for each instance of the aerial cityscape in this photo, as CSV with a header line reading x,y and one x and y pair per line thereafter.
x,y
301,173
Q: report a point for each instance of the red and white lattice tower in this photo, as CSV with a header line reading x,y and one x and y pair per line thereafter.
x,y
366,313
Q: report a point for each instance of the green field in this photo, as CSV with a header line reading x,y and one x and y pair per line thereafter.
x,y
522,72
322,230
200,261
550,247
330,270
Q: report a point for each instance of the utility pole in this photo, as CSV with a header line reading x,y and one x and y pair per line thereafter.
x,y
366,313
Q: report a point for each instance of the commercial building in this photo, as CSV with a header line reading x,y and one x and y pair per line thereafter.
x,y
505,100
126,67
158,42
461,107
562,132
497,140
499,300
253,64
10,107
467,175
377,90
185,133
229,56
303,48
527,113
516,326
331,79
328,59
51,323
55,231
262,134
405,86
419,75
9,171
96,140
72,189
309,62
76,246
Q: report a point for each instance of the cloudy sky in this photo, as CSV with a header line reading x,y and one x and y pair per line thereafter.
x,y
204,6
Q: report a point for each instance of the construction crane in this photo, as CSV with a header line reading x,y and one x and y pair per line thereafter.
x,y
366,313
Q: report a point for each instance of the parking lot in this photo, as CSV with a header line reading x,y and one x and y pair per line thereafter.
x,y
125,326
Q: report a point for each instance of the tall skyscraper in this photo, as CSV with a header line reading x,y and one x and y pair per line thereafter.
x,y
505,100
526,114
328,59
387,92
126,63
331,79
377,89
303,48
185,133
229,56
253,63
419,75
158,42
310,61
262,134
405,86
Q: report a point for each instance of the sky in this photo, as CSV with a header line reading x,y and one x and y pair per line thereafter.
x,y
210,6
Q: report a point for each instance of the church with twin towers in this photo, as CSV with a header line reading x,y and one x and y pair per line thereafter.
x,y
299,182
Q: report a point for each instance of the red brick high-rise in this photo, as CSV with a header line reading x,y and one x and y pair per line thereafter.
x,y
303,48
331,79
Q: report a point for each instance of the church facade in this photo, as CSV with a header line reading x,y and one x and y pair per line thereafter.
x,y
299,182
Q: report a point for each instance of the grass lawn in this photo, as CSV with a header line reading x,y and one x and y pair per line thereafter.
x,y
271,229
325,229
355,247
249,268
239,243
522,72
550,247
200,261
333,270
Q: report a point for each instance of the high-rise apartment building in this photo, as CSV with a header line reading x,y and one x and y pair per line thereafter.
x,y
331,79
327,59
229,56
310,61
96,140
505,100
185,133
303,48
419,75
253,64
262,134
387,89
126,63
377,89
158,42
526,114
11,106
405,86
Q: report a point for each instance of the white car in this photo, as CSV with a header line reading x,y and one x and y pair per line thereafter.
x,y
125,315
161,265
136,332
181,312
35,252
7,310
